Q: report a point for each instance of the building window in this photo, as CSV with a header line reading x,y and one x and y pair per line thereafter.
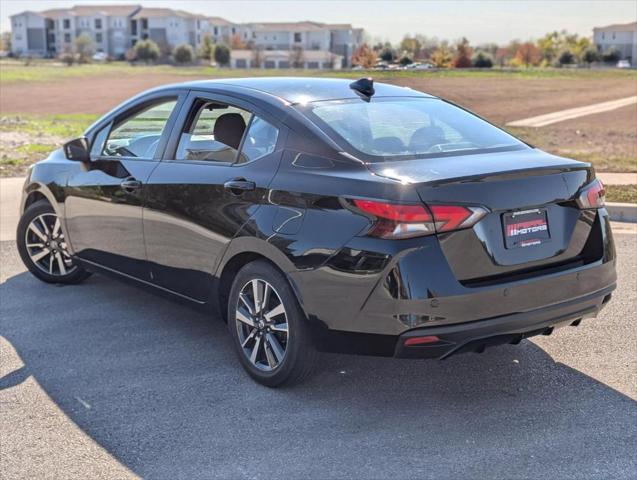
x,y
297,37
233,30
98,23
603,35
198,24
67,38
66,23
215,31
98,37
144,24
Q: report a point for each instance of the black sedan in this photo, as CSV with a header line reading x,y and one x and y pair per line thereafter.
x,y
320,214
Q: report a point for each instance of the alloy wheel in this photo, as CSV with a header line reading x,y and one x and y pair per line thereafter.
x,y
262,325
47,247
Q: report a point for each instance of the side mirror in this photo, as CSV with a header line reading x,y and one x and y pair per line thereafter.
x,y
78,150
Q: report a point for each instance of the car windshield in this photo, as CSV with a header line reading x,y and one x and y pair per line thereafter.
x,y
400,128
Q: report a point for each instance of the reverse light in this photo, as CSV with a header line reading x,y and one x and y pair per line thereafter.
x,y
592,196
394,220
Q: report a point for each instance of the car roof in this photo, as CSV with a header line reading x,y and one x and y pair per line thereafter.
x,y
303,89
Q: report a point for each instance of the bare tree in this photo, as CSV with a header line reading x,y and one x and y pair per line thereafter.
x,y
297,57
257,57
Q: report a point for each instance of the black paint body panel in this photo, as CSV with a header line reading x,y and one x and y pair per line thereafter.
x,y
182,230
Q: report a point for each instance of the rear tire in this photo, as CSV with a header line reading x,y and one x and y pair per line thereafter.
x,y
42,246
270,335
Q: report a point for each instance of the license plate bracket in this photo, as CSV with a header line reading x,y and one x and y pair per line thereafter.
x,y
526,228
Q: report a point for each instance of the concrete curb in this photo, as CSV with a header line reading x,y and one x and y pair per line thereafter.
x,y
622,212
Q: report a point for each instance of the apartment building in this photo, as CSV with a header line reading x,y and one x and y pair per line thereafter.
x,y
52,32
623,37
166,27
115,28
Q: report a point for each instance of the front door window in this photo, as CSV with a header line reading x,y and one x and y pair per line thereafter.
x,y
139,135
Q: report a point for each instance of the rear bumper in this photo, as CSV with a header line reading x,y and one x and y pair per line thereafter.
x,y
392,288
476,336
472,336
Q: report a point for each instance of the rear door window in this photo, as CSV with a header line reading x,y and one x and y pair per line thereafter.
x,y
213,132
260,140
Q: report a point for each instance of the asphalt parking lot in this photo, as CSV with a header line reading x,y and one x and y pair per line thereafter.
x,y
103,380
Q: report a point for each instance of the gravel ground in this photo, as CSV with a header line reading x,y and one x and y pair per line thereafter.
x,y
103,380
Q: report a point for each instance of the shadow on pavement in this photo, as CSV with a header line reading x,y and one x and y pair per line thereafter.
x,y
168,399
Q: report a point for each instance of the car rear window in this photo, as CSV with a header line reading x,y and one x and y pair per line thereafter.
x,y
399,128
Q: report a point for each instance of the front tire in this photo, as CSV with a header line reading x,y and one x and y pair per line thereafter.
x,y
269,330
42,246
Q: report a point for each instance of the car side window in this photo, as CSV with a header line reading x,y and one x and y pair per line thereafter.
x,y
139,134
260,140
213,132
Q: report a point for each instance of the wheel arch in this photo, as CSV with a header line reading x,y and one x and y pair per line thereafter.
x,y
242,251
35,192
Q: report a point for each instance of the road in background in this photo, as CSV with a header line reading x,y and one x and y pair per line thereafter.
x,y
570,113
10,194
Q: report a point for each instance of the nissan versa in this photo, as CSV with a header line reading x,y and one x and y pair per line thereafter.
x,y
321,214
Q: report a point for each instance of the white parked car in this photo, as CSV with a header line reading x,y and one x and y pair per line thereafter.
x,y
623,64
99,57
420,66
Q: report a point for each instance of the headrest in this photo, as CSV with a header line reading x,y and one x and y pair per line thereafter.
x,y
426,137
229,129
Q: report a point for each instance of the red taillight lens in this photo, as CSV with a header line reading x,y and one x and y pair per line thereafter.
x,y
393,211
394,220
592,196
410,342
404,221
450,217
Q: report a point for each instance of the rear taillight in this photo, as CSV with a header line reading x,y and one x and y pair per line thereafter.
x,y
592,196
395,220
455,217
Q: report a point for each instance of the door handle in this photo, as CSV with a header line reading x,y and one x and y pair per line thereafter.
x,y
239,185
130,185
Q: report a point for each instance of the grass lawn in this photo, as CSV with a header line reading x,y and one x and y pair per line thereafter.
x,y
609,141
621,193
13,71
27,139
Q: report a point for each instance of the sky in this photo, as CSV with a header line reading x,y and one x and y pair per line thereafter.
x,y
481,21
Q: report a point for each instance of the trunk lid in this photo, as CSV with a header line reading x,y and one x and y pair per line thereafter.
x,y
533,223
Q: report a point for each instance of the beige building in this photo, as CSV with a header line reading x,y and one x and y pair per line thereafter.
x,y
259,58
51,32
623,37
115,28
